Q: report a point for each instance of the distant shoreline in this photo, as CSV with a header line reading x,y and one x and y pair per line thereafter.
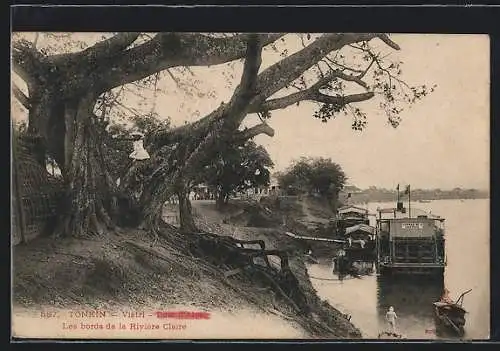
x,y
425,200
386,196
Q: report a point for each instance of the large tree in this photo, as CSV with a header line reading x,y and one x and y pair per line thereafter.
x,y
237,169
64,90
314,175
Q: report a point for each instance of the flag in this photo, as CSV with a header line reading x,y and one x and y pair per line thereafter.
x,y
397,188
407,191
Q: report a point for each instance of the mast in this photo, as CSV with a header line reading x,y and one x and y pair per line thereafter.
x,y
409,201
397,189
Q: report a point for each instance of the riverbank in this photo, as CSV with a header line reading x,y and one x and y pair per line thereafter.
x,y
131,269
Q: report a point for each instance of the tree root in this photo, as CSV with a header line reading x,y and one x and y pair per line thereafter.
x,y
229,252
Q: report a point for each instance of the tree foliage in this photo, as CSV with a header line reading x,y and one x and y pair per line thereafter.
x,y
236,169
314,175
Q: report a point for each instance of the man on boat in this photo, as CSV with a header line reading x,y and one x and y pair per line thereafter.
x,y
445,298
362,243
391,319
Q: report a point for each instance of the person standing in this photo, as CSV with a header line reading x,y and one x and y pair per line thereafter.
x,y
391,317
446,297
139,152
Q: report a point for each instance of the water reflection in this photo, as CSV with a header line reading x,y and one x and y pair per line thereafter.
x,y
412,299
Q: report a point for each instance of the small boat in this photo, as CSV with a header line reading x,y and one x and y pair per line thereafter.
x,y
424,201
451,315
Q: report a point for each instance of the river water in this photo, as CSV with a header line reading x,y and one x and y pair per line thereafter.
x,y
468,267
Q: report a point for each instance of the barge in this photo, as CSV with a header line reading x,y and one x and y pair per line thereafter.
x,y
410,244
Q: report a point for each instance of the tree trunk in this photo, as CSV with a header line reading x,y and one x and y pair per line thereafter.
x,y
220,200
88,188
185,212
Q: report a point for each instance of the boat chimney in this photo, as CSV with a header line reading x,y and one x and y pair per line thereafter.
x,y
399,206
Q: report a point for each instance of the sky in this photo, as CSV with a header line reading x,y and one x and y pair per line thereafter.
x,y
442,142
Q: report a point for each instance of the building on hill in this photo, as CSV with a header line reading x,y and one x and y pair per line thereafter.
x,y
273,189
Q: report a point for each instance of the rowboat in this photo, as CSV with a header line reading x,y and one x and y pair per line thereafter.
x,y
451,315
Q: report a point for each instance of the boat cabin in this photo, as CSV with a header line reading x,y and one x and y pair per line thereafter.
x,y
349,216
361,231
352,212
406,242
361,242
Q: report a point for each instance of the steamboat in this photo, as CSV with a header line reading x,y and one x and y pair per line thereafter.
x,y
410,241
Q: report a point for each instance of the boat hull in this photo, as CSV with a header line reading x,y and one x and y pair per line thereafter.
x,y
450,318
430,270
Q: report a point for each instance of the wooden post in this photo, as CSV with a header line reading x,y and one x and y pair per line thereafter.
x,y
436,253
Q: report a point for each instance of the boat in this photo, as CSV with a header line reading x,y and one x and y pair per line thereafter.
x,y
344,266
360,242
341,262
410,242
451,315
424,201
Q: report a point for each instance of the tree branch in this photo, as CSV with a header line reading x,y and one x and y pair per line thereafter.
x,y
249,133
312,93
282,102
237,108
343,100
309,95
168,50
339,74
341,65
362,74
385,38
23,99
235,111
26,61
109,47
281,74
